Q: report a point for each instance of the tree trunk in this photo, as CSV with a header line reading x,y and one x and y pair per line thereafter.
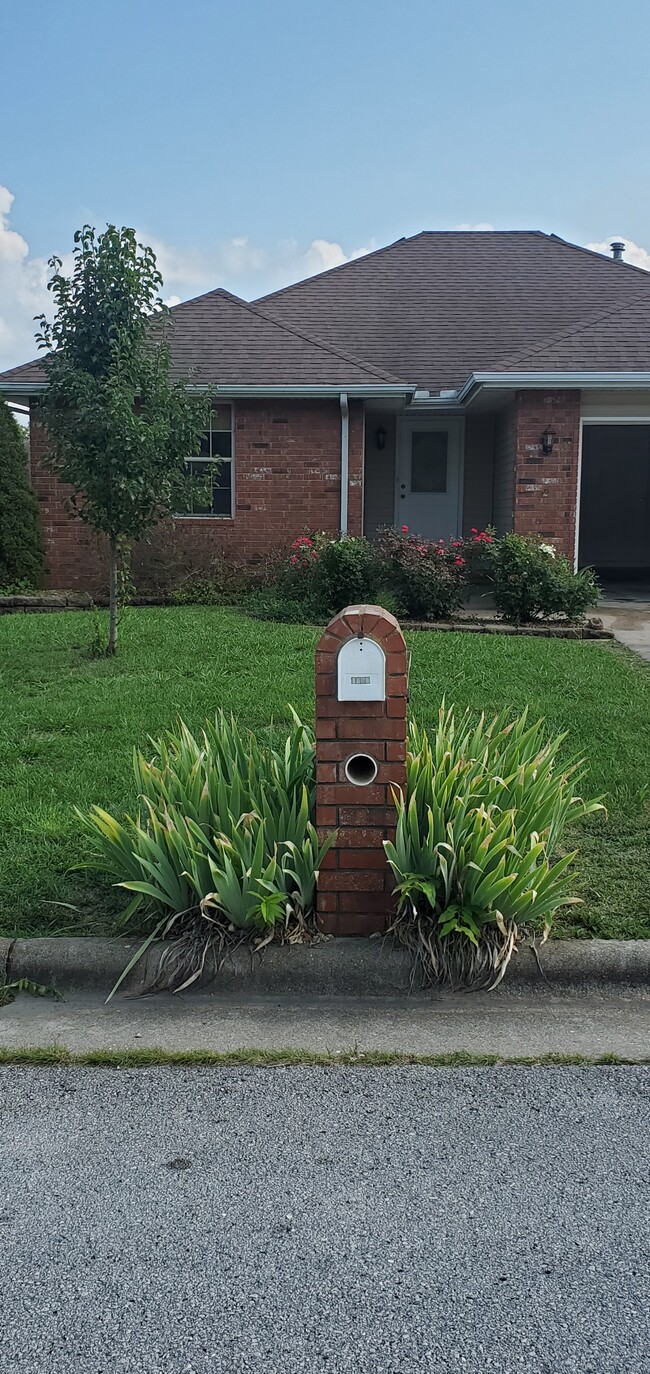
x,y
111,647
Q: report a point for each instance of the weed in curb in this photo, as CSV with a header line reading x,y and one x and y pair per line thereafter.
x,y
256,1058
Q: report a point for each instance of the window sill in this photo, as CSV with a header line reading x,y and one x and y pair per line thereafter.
x,y
220,518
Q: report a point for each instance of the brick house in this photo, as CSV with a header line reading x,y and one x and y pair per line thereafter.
x,y
448,381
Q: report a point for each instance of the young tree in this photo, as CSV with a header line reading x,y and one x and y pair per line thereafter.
x,y
21,543
118,428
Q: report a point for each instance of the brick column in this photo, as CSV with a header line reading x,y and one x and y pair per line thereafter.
x,y
546,485
355,883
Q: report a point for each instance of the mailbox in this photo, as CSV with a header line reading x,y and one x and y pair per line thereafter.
x,y
361,671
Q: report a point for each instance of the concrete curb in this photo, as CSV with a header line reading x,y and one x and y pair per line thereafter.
x,y
336,968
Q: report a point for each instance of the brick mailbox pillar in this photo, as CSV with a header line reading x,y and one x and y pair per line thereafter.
x,y
361,695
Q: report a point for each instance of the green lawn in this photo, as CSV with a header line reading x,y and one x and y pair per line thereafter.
x,y
68,723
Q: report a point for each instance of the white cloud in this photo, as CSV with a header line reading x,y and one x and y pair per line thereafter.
x,y
482,225
242,267
236,263
634,254
23,292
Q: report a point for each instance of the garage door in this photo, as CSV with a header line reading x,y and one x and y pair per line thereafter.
x,y
614,532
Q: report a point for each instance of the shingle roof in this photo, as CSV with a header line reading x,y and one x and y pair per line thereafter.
x,y
617,340
427,311
219,339
439,306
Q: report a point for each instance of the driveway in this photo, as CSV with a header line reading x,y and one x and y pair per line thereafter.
x,y
372,1221
626,612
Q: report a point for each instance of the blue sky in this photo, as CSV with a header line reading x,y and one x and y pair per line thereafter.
x,y
254,141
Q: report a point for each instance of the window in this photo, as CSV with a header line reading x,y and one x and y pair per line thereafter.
x,y
210,486
429,461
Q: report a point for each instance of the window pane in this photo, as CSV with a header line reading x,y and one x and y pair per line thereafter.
x,y
222,490
221,418
205,446
429,461
222,444
201,488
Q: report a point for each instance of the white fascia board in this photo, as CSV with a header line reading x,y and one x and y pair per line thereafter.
x,y
550,381
287,391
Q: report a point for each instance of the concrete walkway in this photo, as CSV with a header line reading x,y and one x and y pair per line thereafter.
x,y
629,621
510,1025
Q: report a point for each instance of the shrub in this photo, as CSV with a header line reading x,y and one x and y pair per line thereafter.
x,y
21,543
345,572
530,580
223,841
485,809
428,580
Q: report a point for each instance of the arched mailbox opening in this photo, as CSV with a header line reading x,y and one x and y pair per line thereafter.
x,y
361,769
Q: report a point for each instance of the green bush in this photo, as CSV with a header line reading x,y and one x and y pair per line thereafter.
x,y
223,840
346,572
478,830
21,542
530,581
428,580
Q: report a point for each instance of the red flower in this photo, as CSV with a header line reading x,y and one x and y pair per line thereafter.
x,y
473,531
405,529
460,562
303,543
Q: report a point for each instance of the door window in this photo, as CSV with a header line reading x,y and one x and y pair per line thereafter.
x,y
429,460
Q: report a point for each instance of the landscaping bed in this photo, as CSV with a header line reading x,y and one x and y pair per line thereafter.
x,y
69,722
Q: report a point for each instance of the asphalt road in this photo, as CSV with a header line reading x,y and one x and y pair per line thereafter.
x,y
372,1221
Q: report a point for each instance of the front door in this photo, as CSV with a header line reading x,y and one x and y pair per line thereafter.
x,y
614,528
428,477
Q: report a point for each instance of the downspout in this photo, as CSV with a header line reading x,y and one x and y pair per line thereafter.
x,y
345,459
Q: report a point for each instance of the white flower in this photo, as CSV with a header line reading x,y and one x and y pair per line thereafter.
x,y
549,549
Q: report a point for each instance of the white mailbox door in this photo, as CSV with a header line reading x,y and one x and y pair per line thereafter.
x,y
361,671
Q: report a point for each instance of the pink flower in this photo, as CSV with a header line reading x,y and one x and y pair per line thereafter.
x,y
473,531
460,562
441,552
303,543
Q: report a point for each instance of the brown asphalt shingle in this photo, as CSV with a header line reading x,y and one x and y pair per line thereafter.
x,y
428,311
439,306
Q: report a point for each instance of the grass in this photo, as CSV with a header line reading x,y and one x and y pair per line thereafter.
x,y
146,1058
68,724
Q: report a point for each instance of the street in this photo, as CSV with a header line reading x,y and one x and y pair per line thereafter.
x,y
373,1221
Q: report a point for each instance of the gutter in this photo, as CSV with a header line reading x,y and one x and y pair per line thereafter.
x,y
552,381
345,459
371,390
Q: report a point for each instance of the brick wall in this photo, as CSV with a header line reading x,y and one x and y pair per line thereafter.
x,y
546,485
287,480
355,885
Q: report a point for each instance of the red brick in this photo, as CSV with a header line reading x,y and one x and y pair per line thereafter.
x,y
325,729
362,858
396,710
396,750
330,860
325,772
372,729
327,901
364,901
325,663
397,685
338,794
351,923
359,837
363,816
326,815
334,880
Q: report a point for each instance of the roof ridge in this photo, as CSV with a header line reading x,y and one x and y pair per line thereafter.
x,y
254,309
554,339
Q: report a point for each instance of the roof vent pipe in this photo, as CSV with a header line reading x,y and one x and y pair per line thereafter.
x,y
618,249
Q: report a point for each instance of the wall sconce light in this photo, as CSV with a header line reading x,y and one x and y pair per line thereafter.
x,y
380,437
548,440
